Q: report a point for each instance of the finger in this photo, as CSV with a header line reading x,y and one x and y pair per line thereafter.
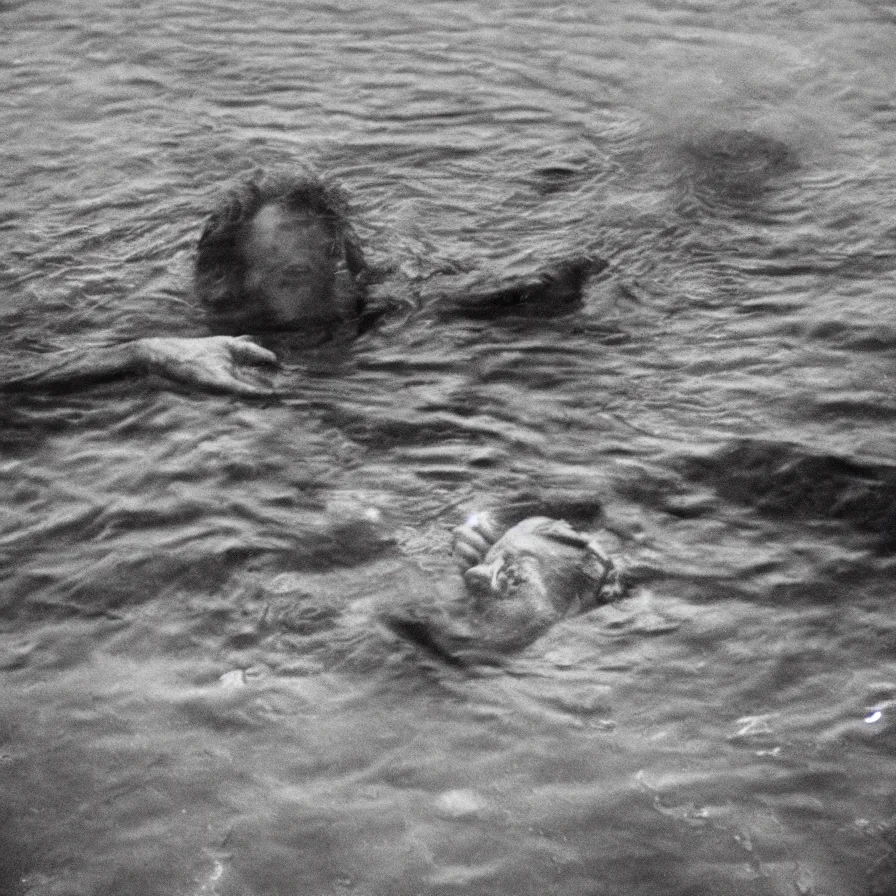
x,y
464,535
466,555
245,350
487,527
222,380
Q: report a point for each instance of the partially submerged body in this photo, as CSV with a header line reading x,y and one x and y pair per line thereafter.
x,y
517,585
217,363
278,254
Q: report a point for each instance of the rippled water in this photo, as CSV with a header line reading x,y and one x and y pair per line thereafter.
x,y
196,696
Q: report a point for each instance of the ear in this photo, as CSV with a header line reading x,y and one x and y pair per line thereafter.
x,y
607,576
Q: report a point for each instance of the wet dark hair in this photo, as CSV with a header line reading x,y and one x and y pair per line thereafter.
x,y
220,268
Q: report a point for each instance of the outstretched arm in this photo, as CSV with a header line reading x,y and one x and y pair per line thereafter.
x,y
554,286
218,363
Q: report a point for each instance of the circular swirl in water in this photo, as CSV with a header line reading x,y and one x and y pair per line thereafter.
x,y
734,168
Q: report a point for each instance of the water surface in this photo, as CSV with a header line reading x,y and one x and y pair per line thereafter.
x,y
196,695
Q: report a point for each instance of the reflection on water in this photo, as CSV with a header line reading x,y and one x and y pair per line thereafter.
x,y
198,694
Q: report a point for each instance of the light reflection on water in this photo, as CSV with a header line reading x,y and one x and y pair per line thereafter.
x,y
197,697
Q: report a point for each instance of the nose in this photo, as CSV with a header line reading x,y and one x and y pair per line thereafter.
x,y
479,579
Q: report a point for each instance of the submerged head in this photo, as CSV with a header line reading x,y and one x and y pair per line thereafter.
x,y
280,254
535,574
543,561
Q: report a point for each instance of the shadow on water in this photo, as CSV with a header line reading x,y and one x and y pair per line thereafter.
x,y
788,481
148,569
545,292
731,172
551,179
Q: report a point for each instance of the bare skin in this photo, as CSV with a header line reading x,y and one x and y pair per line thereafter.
x,y
217,363
295,283
295,277
289,268
518,583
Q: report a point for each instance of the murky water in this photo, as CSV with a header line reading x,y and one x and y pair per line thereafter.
x,y
197,697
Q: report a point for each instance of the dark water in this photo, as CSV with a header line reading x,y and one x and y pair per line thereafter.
x,y
196,696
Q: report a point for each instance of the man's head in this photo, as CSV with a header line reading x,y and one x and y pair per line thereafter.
x,y
280,254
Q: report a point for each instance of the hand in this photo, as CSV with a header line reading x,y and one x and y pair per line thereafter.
x,y
220,363
473,539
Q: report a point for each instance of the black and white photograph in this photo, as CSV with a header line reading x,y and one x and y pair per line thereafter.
x,y
448,448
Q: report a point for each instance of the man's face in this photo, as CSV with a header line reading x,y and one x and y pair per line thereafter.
x,y
290,271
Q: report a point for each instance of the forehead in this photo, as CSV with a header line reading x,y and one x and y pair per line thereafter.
x,y
276,229
519,545
513,556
